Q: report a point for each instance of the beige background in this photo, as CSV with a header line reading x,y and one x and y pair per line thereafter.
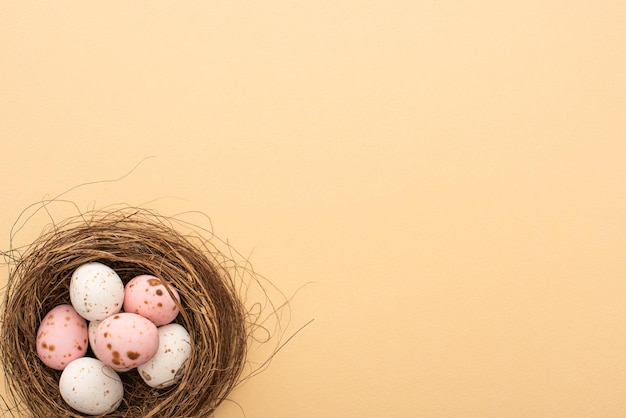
x,y
451,175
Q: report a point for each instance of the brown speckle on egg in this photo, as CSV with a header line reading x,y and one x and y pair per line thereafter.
x,y
116,358
133,355
154,282
159,292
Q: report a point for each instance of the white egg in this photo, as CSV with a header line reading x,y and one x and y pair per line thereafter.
x,y
165,368
90,387
96,291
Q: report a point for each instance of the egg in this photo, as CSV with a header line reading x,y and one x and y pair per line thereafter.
x,y
125,340
91,387
147,296
61,337
165,368
96,291
93,325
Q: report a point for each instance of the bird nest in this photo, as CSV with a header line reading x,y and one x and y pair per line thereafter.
x,y
132,242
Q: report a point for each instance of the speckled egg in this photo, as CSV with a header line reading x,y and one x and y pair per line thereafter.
x,y
91,387
96,291
61,337
125,340
93,325
147,296
166,367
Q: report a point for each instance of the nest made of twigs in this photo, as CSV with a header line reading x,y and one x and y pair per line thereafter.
x,y
131,242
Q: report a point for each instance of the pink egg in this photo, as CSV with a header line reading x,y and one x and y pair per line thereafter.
x,y
147,296
62,337
125,340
